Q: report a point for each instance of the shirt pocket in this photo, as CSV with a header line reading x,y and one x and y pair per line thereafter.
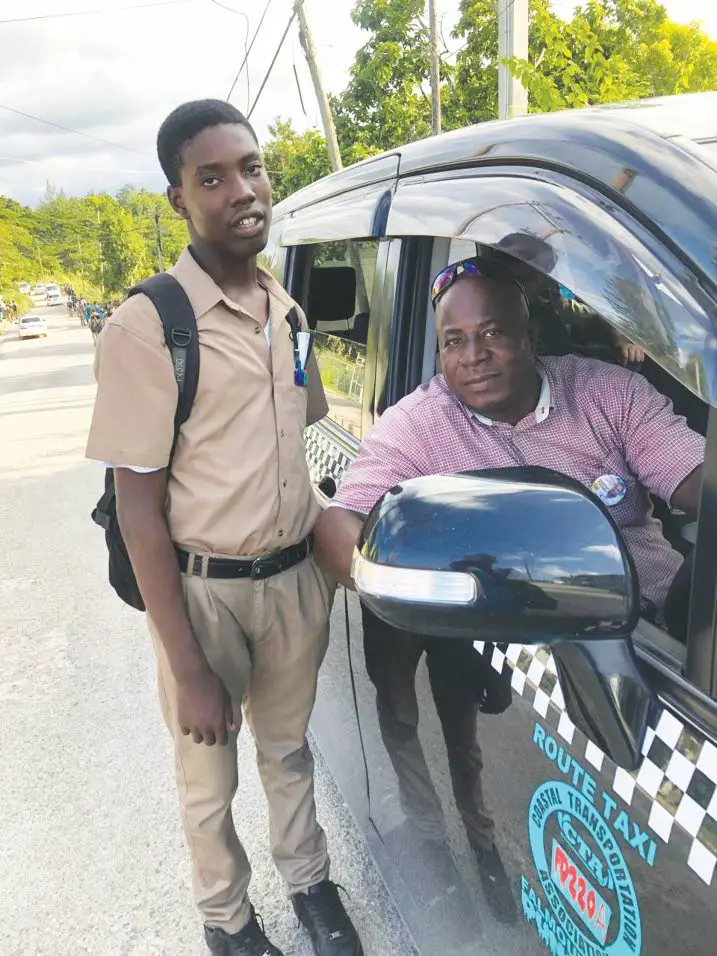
x,y
299,401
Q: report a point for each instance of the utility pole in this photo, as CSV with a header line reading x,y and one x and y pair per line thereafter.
x,y
39,259
327,119
102,261
158,228
436,124
332,142
512,42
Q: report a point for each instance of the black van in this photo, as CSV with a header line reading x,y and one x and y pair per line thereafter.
x,y
599,773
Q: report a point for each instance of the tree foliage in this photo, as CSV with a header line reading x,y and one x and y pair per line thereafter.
x,y
385,102
294,159
100,244
609,51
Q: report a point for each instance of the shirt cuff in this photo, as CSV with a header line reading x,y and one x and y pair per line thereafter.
x,y
138,469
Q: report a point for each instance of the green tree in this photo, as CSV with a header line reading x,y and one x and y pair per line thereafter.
x,y
385,102
126,255
144,206
611,51
293,159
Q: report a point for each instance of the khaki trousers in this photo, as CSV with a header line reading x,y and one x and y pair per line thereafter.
x,y
266,641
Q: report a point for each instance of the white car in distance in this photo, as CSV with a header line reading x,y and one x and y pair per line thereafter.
x,y
32,327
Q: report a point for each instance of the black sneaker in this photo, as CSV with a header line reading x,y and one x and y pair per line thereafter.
x,y
251,941
323,916
496,885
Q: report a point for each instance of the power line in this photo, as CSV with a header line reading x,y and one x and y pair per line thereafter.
x,y
248,51
239,13
271,65
84,13
77,132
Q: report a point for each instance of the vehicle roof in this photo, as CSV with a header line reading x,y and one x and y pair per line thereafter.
x,y
610,129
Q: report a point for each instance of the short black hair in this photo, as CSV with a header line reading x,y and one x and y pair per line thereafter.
x,y
186,122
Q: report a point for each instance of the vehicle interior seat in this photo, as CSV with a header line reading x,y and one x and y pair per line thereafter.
x,y
332,298
359,332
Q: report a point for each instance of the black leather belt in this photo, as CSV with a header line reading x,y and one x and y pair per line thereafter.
x,y
265,566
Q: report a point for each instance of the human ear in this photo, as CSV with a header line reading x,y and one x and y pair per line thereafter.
x,y
176,201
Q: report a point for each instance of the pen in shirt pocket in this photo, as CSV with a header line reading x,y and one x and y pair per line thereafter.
x,y
306,347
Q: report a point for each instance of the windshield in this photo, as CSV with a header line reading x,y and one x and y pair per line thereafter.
x,y
31,320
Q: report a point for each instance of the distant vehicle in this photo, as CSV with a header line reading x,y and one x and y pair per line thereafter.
x,y
54,297
39,291
24,288
32,327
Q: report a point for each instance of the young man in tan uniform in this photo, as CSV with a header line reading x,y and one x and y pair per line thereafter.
x,y
238,487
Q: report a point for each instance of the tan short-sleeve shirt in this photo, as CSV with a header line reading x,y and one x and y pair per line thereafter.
x,y
239,482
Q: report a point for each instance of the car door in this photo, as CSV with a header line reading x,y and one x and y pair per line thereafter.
x,y
598,858
332,256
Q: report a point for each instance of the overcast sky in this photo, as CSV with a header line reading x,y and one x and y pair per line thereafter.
x,y
117,73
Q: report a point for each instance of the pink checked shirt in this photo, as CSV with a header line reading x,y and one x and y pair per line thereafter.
x,y
592,419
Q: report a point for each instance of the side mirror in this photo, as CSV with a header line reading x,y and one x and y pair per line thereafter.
x,y
516,555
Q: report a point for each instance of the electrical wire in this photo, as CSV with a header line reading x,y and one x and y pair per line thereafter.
x,y
67,129
298,87
239,13
248,51
85,13
273,62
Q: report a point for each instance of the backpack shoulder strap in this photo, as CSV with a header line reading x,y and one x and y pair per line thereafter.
x,y
181,335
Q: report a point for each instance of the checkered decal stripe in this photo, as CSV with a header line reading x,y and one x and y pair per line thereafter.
x,y
677,778
324,456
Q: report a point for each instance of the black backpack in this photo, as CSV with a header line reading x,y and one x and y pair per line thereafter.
x,y
180,333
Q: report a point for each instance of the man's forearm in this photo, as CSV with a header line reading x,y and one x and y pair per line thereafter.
x,y
687,495
155,566
336,534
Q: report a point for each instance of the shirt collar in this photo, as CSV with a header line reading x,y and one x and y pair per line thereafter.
x,y
204,294
542,409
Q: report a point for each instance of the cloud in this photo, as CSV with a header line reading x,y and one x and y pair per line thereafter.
x,y
608,550
116,76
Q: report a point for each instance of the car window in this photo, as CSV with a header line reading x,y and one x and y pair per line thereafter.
x,y
274,255
563,324
338,307
591,247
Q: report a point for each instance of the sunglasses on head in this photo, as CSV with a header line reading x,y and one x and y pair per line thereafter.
x,y
466,267
450,275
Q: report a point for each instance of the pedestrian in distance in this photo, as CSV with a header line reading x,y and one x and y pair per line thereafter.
x,y
235,636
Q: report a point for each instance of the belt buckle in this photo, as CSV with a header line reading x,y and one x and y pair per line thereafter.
x,y
263,567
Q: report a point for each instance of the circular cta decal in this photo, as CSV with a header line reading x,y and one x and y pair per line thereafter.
x,y
591,902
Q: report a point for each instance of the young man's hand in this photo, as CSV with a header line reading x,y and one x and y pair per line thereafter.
x,y
204,709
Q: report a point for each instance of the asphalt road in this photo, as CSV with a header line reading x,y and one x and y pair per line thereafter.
x,y
92,858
